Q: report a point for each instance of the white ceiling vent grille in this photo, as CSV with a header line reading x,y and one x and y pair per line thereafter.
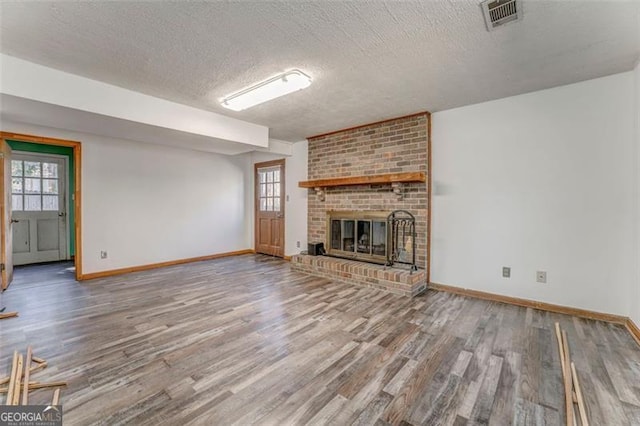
x,y
499,12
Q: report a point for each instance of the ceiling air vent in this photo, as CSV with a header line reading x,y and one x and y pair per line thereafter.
x,y
500,12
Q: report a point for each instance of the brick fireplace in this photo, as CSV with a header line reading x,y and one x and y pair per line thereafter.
x,y
380,167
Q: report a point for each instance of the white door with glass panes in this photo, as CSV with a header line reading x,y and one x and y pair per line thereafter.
x,y
38,195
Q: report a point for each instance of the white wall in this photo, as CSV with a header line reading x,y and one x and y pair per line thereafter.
x,y
541,181
295,219
145,203
635,308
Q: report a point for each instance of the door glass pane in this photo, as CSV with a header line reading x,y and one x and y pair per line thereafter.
x,y
16,185
50,186
50,202
269,191
32,168
32,203
16,202
32,186
49,170
16,168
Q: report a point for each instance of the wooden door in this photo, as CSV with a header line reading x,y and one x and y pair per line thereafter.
x,y
269,208
39,208
6,232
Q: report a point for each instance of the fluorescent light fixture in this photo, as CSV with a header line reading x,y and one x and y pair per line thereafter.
x,y
272,88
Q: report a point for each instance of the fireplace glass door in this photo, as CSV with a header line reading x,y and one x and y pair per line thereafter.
x,y
336,235
379,239
361,238
347,235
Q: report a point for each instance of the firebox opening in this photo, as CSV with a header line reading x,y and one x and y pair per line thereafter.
x,y
358,235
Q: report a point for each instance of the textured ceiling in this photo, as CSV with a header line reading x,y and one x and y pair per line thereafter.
x,y
369,60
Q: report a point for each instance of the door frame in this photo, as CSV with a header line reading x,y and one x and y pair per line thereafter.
x,y
77,193
6,245
256,201
67,190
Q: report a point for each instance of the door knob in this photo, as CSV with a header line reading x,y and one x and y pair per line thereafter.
x,y
61,214
14,221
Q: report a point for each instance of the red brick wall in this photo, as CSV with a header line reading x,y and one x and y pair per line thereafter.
x,y
394,146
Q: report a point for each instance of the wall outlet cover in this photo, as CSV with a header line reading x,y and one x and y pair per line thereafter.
x,y
506,271
103,255
541,276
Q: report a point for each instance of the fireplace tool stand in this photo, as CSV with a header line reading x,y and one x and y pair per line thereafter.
x,y
402,229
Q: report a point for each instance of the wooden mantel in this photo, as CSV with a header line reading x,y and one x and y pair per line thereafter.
x,y
409,177
397,180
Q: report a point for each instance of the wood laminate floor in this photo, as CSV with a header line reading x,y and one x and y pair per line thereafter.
x,y
244,340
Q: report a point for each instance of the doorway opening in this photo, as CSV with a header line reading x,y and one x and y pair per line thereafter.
x,y
41,215
39,205
269,207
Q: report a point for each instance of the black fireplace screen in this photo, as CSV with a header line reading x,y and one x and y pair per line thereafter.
x,y
402,226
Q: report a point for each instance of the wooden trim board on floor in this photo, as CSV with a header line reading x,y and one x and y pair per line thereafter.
x,y
130,269
429,193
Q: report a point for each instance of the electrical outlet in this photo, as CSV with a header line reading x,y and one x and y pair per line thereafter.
x,y
298,244
103,255
541,276
506,272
